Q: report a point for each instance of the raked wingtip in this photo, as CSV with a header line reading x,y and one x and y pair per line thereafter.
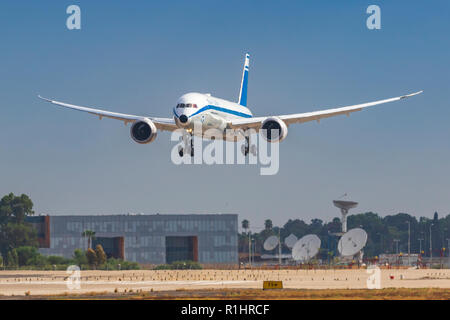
x,y
41,97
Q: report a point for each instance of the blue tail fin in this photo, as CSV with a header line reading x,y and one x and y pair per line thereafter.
x,y
244,82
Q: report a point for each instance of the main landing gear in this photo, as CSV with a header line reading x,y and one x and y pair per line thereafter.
x,y
246,148
188,146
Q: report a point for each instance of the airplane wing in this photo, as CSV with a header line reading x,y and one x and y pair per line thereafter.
x,y
167,124
255,123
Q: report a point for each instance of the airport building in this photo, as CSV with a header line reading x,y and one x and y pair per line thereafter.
x,y
152,239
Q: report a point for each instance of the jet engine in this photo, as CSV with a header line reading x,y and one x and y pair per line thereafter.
x,y
274,129
143,131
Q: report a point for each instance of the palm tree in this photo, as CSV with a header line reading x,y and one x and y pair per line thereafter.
x,y
268,224
245,225
90,235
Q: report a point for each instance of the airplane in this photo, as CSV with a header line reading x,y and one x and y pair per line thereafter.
x,y
208,112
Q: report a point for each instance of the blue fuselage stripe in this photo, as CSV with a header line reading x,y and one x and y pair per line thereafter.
x,y
221,109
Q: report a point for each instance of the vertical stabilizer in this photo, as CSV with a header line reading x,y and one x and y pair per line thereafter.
x,y
244,82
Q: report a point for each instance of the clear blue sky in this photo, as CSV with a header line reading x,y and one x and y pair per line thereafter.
x,y
305,55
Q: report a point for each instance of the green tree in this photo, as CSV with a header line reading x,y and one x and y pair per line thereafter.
x,y
79,257
14,235
435,217
90,235
101,255
15,208
38,261
91,257
12,259
245,225
14,231
26,254
298,227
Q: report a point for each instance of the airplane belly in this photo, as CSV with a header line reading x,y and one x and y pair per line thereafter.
x,y
211,121
214,125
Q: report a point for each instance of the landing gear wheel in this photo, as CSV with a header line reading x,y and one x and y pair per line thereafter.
x,y
244,150
180,151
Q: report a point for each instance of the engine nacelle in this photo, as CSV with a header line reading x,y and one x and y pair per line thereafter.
x,y
143,131
273,123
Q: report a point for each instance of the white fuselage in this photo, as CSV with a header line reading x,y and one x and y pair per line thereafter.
x,y
209,112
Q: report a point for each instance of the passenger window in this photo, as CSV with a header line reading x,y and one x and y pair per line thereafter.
x,y
194,105
189,105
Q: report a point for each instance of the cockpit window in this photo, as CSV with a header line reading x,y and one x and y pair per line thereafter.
x,y
187,105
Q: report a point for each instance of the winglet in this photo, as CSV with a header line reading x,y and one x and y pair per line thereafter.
x,y
244,82
411,94
40,97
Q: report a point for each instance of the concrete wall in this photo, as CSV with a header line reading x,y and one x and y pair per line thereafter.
x,y
144,235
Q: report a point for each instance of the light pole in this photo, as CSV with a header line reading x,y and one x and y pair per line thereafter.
x,y
409,240
253,249
448,249
396,242
249,248
398,260
420,245
381,242
279,247
431,248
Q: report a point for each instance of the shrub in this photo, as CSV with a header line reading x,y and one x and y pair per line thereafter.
x,y
113,264
130,265
180,265
79,257
37,261
12,259
26,254
57,260
101,255
91,257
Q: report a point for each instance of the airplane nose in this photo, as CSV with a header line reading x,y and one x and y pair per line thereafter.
x,y
183,118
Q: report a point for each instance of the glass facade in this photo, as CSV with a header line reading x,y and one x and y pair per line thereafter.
x,y
207,238
181,249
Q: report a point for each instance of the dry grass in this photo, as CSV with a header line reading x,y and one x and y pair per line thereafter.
x,y
295,294
258,294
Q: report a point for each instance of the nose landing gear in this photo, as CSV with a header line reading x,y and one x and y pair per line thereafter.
x,y
188,147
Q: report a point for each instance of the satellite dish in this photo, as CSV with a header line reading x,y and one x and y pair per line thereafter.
x,y
352,242
290,241
345,206
270,243
306,248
